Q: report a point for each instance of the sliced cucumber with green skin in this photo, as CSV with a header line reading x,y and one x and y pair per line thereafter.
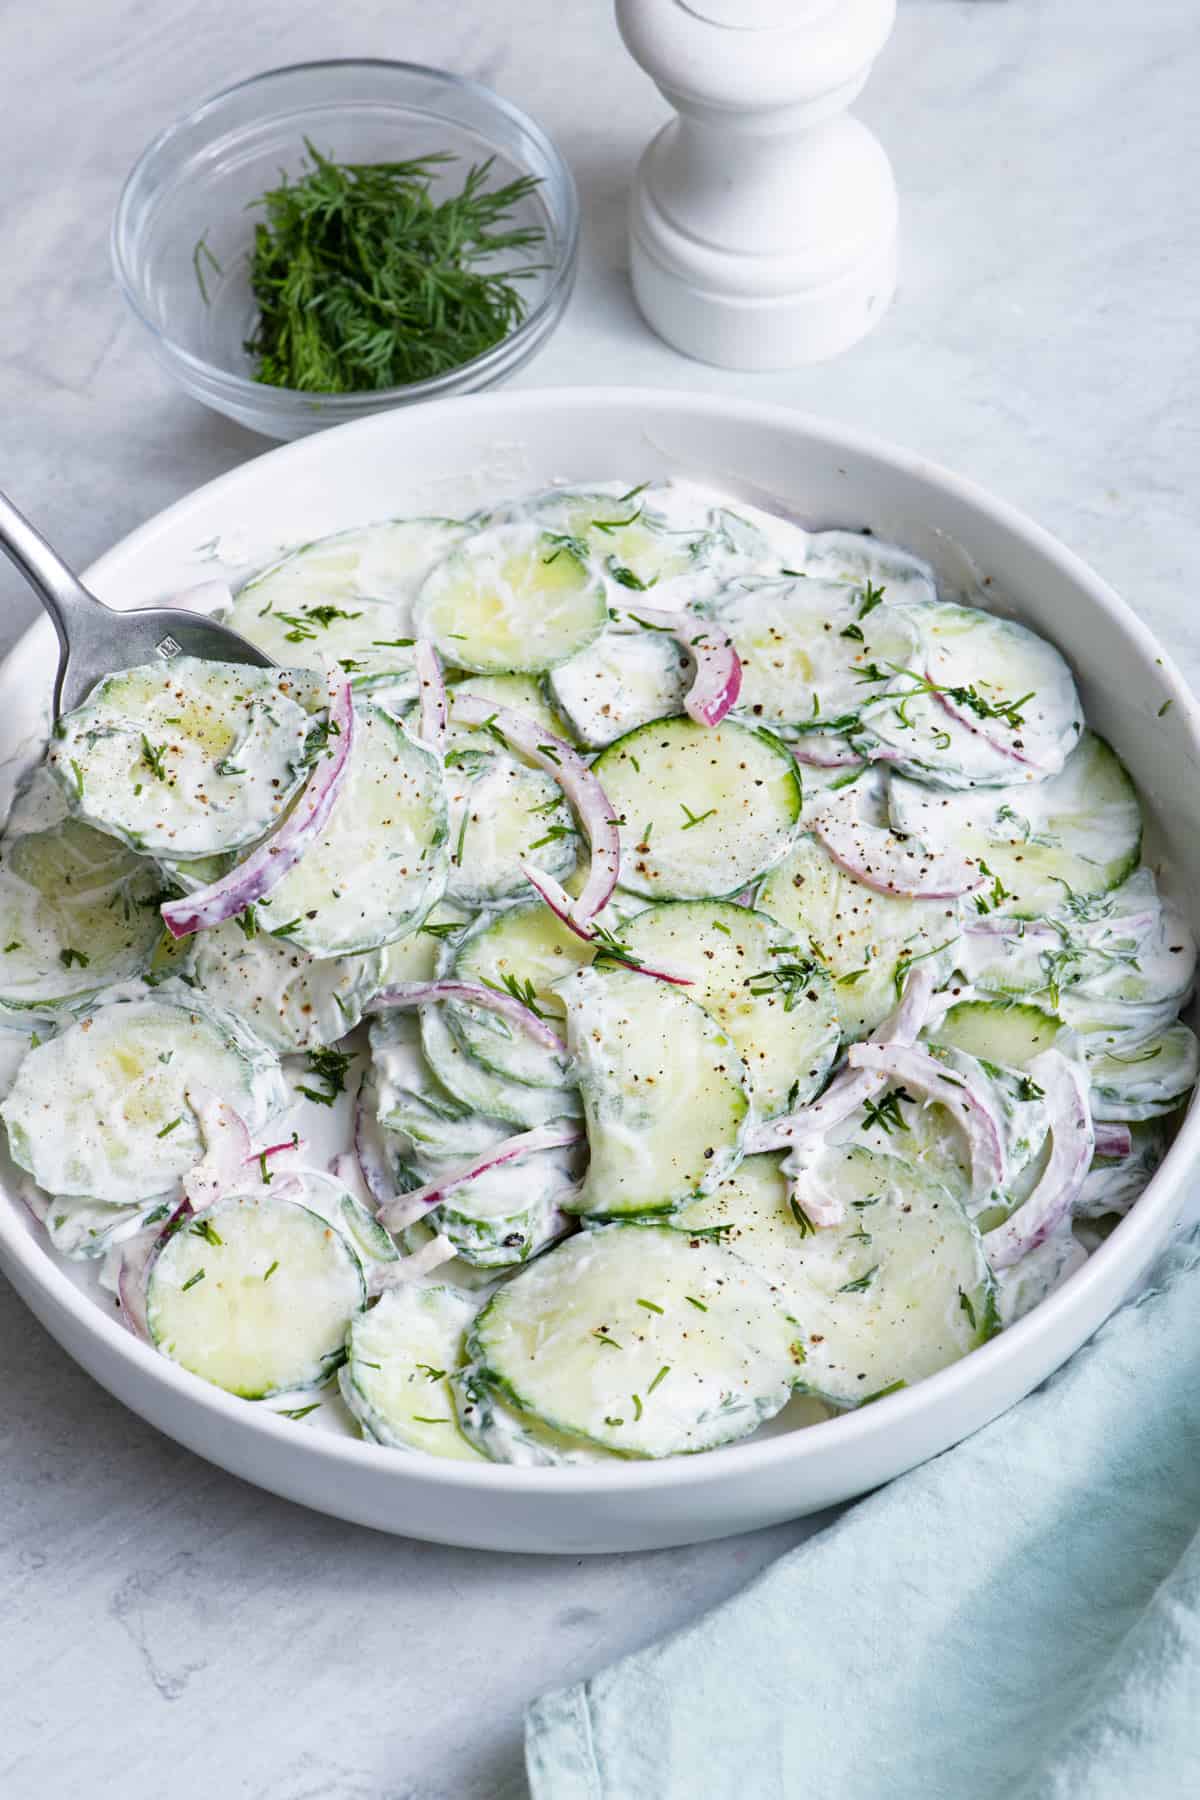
x,y
623,680
1126,945
520,693
813,653
642,1340
1077,834
78,912
997,1032
897,1291
102,1110
1113,1184
40,803
510,1213
775,1002
82,1229
521,951
386,560
332,1201
380,863
512,599
291,1000
1147,1080
413,1103
396,1376
673,537
665,1093
502,1434
503,814
858,557
186,758
416,957
862,937
255,1294
703,810
986,702
366,639
482,1091
476,1281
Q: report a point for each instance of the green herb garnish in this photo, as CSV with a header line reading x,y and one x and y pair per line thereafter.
x,y
366,279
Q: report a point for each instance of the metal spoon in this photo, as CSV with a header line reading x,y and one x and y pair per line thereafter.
x,y
93,639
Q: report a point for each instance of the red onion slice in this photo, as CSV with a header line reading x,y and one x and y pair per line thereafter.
x,y
821,752
266,867
471,993
435,708
902,868
1111,1139
717,681
1072,1145
405,1209
853,1087
577,782
562,906
137,1253
227,1148
967,1105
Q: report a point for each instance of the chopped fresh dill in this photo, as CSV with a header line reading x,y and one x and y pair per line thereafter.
x,y
69,955
522,991
661,1376
807,1228
152,759
694,818
204,1228
192,1280
299,1412
861,1283
886,1113
964,1301
366,278
201,255
329,1066
169,1127
650,1306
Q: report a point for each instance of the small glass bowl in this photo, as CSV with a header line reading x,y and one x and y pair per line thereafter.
x,y
198,179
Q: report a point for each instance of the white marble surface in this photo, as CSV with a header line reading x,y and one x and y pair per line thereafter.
x,y
168,1629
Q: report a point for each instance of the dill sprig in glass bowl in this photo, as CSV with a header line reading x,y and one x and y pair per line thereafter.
x,y
468,172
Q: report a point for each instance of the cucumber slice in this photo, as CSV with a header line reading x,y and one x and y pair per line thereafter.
x,y
860,558
862,937
1075,835
188,757
387,560
777,1005
525,949
502,813
813,653
416,957
511,600
82,1229
507,1215
673,537
366,639
479,1089
623,680
102,1109
1114,1183
381,861
665,1093
255,1294
78,912
503,1435
641,1340
332,1201
412,1102
39,804
703,810
399,1357
1147,1080
996,1032
520,693
897,1291
1011,708
291,1000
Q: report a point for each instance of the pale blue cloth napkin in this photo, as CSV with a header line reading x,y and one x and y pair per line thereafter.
x,y
1017,1620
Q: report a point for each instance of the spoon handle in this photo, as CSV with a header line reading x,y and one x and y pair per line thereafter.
x,y
60,591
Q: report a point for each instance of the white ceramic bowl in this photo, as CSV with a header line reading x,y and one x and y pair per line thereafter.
x,y
447,458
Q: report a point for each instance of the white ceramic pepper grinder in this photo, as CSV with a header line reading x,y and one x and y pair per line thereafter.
x,y
763,217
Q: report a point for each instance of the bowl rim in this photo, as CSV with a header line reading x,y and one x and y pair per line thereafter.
x,y
1141,1230
492,363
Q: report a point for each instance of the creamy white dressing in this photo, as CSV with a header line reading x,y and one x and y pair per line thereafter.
x,y
946,725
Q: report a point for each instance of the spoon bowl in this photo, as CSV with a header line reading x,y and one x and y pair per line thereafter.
x,y
93,639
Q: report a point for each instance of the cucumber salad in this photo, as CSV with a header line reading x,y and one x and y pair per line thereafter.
x,y
632,967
